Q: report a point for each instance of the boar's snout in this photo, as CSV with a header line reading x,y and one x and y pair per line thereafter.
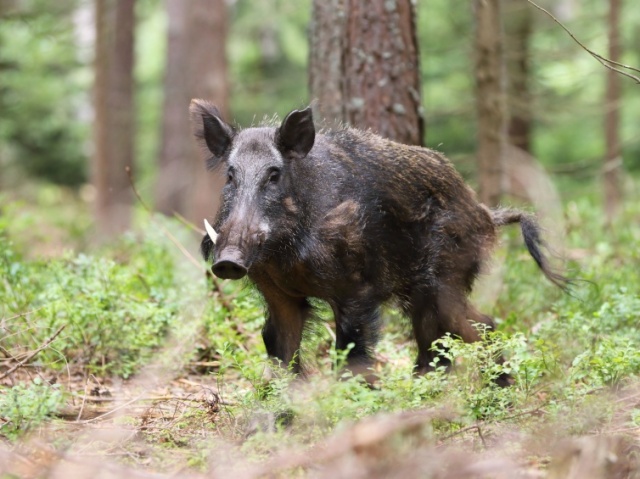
x,y
226,269
229,264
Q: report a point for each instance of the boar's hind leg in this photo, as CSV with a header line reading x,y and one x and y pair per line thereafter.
x,y
423,310
358,323
282,331
449,311
437,312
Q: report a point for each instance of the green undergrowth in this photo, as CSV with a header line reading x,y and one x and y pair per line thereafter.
x,y
26,405
114,311
122,305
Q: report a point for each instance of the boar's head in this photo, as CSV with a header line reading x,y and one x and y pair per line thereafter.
x,y
257,165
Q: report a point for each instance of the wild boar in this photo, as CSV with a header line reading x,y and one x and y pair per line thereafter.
x,y
355,220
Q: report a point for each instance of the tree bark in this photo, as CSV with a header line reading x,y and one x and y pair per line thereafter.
x,y
114,115
326,69
210,80
364,66
196,68
490,101
173,174
613,157
518,26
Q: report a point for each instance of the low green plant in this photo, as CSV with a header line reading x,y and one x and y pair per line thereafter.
x,y
607,363
478,367
116,314
27,405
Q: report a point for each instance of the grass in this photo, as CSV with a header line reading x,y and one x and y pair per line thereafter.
x,y
157,371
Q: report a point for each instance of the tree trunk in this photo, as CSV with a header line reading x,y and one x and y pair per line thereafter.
x,y
196,68
613,158
114,115
364,66
326,69
209,79
490,101
518,27
174,177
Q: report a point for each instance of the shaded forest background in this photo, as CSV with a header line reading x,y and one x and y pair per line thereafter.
x,y
49,69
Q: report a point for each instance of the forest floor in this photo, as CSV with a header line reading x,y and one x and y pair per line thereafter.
x,y
125,361
186,427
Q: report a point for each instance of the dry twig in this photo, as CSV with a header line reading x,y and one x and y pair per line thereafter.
x,y
607,63
34,353
108,413
459,432
164,230
24,313
216,285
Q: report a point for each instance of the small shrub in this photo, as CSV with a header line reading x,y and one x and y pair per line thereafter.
x,y
477,366
607,362
115,313
26,406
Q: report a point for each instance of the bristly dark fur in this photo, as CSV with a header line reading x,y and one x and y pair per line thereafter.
x,y
206,248
355,220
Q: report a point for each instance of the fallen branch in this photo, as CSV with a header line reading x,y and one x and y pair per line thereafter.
x,y
205,364
34,353
360,437
97,399
112,411
80,415
462,431
476,426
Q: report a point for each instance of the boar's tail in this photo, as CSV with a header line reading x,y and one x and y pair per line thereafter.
x,y
532,239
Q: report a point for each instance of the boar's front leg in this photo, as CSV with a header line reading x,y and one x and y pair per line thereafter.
x,y
282,331
358,323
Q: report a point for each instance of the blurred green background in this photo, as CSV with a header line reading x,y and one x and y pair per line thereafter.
x,y
46,55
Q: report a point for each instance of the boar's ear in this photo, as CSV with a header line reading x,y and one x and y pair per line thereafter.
x,y
211,132
297,133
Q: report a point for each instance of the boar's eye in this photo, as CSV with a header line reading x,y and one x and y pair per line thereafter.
x,y
274,176
230,176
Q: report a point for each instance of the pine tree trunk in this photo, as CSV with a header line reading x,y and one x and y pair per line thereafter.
x,y
196,68
209,79
114,115
490,101
613,158
518,26
364,66
326,70
174,178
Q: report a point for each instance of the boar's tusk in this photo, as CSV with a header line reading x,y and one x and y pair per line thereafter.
x,y
210,231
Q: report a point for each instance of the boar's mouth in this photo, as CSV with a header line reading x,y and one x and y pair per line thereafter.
x,y
230,264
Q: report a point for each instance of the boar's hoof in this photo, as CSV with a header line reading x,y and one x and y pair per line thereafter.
x,y
227,269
